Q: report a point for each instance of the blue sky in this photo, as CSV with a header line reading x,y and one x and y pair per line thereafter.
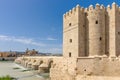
x,y
36,24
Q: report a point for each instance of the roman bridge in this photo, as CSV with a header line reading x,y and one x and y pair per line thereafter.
x,y
40,63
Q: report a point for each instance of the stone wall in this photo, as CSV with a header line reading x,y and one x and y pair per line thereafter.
x,y
98,66
63,69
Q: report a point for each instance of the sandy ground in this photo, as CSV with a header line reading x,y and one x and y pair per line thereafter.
x,y
7,68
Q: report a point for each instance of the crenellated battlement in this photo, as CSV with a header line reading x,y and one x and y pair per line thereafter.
x,y
108,8
73,11
70,12
114,6
86,9
102,7
98,8
92,8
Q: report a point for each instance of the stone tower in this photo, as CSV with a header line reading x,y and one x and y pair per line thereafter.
x,y
96,30
91,31
74,33
113,25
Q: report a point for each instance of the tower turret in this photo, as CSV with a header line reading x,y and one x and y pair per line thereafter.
x,y
96,32
73,33
114,30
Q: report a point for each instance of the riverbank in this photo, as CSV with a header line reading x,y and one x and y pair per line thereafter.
x,y
17,71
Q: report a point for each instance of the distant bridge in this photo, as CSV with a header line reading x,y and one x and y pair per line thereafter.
x,y
7,58
40,63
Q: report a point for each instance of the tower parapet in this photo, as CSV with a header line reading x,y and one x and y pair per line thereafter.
x,y
86,10
108,8
102,7
97,7
73,11
68,16
115,6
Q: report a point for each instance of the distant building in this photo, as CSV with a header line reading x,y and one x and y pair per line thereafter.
x,y
31,52
8,54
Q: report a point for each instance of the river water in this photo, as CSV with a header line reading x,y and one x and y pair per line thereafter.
x,y
14,70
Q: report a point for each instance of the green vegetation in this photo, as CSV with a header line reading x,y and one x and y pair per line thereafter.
x,y
25,70
16,68
7,78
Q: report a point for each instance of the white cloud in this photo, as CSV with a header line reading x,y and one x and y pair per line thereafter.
x,y
32,43
52,39
21,40
3,37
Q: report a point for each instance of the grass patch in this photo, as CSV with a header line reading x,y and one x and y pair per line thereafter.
x,y
25,70
7,78
16,68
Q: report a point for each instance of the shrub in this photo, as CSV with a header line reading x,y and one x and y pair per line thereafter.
x,y
6,78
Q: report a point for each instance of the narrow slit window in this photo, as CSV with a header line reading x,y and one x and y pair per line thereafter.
x,y
83,25
119,33
100,38
96,22
70,24
84,69
70,40
69,54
